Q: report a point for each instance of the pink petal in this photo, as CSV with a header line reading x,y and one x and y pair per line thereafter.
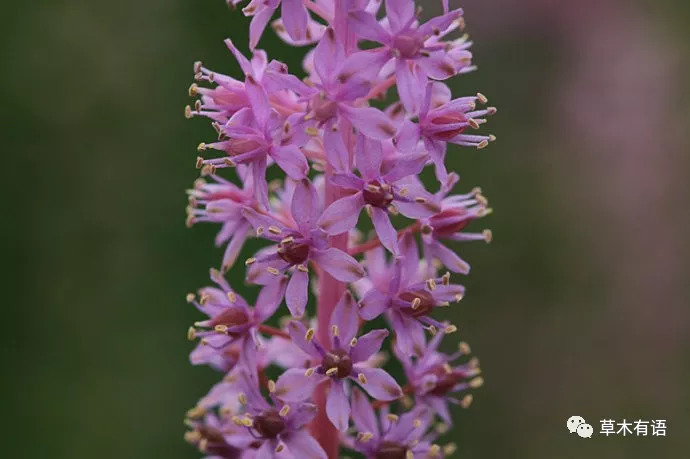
x,y
363,414
368,156
294,386
258,100
291,159
329,56
338,406
367,27
410,261
411,164
342,215
269,299
399,13
338,264
373,304
385,230
450,259
438,65
296,293
408,137
370,121
346,317
411,84
368,345
409,333
337,154
297,333
257,26
303,445
380,384
305,206
295,17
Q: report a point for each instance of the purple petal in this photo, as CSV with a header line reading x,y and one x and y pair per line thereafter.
x,y
338,406
440,407
373,304
368,156
329,56
409,333
439,22
342,215
364,65
363,414
338,264
408,137
348,181
303,445
269,299
296,293
235,245
450,259
294,386
336,152
258,100
438,65
367,27
368,345
291,159
411,84
385,230
301,414
267,449
295,17
297,333
379,384
305,206
399,13
346,317
405,166
370,121
245,65
257,26
410,261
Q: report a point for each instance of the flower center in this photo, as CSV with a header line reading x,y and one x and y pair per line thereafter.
x,y
449,118
446,380
294,253
323,108
391,450
419,308
376,194
269,424
340,360
407,45
231,317
449,221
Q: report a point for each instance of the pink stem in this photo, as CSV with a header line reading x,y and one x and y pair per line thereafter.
x,y
330,292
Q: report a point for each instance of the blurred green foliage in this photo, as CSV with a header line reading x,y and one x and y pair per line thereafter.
x,y
97,258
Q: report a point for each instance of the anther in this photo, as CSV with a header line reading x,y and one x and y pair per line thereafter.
x,y
451,329
188,112
280,446
242,398
362,379
274,230
303,268
431,284
445,279
353,342
464,347
220,328
482,98
417,423
284,410
335,330
309,372
392,417
482,144
249,261
416,303
332,371
271,386
309,335
190,297
488,235
477,382
273,270
232,296
449,449
466,401
199,162
191,334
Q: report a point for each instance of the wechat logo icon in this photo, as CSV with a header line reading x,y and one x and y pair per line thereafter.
x,y
577,424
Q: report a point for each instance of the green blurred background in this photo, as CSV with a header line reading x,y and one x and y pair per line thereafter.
x,y
580,306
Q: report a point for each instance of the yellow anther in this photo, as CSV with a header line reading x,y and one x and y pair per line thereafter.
x,y
417,423
466,401
431,284
259,230
242,398
362,379
482,98
273,270
353,342
416,303
191,333
449,449
284,410
271,386
477,382
274,230
445,279
220,328
280,447
249,261
365,436
303,268
309,372
232,296
451,329
464,347
392,417
488,235
335,330
203,299
331,371
441,428
309,335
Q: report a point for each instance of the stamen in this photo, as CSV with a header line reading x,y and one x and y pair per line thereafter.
x,y
392,417
191,333
331,371
273,270
309,372
353,342
335,330
284,410
477,382
362,379
309,335
242,398
466,401
249,261
271,386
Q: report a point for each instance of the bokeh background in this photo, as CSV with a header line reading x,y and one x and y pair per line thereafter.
x,y
580,306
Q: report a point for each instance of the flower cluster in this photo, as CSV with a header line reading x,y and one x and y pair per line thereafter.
x,y
309,378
